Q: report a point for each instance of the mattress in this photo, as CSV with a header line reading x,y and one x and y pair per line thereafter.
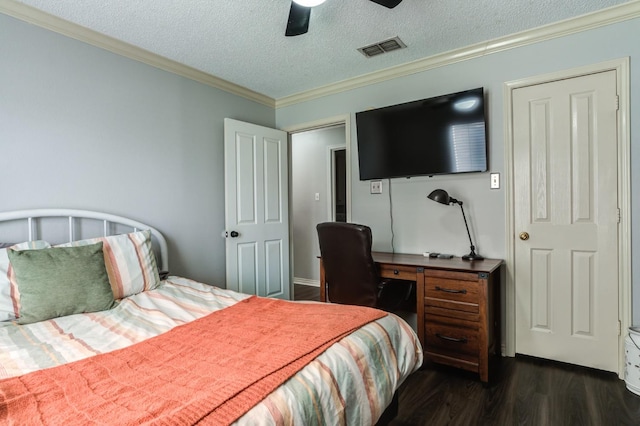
x,y
350,383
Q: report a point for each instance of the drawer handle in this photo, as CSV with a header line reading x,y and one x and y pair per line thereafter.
x,y
452,339
396,272
450,290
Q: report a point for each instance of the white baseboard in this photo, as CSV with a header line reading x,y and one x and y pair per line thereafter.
x,y
306,281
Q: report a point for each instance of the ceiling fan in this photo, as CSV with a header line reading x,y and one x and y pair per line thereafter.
x,y
300,13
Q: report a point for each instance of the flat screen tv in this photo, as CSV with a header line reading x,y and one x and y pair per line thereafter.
x,y
434,136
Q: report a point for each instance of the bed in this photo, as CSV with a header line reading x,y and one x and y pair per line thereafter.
x,y
94,330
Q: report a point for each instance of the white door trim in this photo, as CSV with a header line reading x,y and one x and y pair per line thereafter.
x,y
338,120
621,67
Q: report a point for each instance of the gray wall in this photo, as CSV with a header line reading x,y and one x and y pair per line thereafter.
x,y
309,157
81,127
420,224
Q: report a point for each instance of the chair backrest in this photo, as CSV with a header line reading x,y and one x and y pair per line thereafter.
x,y
351,275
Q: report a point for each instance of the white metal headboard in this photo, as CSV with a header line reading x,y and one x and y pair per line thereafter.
x,y
30,217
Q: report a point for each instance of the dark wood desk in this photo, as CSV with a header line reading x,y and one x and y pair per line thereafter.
x,y
456,303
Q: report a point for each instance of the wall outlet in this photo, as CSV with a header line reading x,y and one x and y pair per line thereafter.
x,y
495,180
376,187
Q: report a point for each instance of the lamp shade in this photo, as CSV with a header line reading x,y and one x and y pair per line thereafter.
x,y
439,195
309,3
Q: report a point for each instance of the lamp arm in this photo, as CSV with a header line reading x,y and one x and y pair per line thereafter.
x,y
466,226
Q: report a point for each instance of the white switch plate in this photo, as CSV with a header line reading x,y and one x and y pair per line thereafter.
x,y
495,180
376,187
317,196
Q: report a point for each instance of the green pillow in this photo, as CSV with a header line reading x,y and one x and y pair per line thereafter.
x,y
61,281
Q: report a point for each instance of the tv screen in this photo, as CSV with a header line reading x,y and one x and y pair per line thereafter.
x,y
440,135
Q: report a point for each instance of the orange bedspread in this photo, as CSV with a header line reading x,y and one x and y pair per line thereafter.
x,y
211,370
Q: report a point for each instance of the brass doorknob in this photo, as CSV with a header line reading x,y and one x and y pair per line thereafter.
x,y
524,236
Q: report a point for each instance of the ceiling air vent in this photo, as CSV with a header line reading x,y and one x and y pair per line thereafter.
x,y
382,47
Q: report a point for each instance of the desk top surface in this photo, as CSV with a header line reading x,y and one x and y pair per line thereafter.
x,y
455,263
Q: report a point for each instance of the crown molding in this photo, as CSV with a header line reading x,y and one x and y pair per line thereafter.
x,y
44,20
589,21
623,12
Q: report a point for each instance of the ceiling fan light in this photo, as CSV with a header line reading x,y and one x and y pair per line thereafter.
x,y
309,3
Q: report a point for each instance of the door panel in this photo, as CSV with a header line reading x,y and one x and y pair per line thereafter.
x,y
256,208
245,178
247,260
274,261
273,168
565,192
540,290
583,273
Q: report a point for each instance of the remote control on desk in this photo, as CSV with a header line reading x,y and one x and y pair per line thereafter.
x,y
437,255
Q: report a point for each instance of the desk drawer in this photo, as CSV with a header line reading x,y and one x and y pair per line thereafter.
x,y
467,313
398,272
452,340
452,289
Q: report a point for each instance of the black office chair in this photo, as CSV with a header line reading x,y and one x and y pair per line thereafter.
x,y
351,275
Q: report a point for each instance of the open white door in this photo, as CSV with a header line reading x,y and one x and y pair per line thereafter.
x,y
256,209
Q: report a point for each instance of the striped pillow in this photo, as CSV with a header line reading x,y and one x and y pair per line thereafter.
x,y
130,262
9,297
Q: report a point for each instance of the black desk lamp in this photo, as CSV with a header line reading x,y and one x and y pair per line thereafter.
x,y
441,196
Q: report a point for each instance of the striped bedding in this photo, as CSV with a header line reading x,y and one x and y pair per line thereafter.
x,y
351,383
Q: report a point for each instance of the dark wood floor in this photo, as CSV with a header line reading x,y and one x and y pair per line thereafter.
x,y
306,292
523,391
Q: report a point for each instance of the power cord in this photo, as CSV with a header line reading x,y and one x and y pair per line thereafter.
x,y
393,250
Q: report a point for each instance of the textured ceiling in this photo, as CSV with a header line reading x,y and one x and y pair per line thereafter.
x,y
243,41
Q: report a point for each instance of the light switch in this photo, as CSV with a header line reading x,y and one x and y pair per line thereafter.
x,y
317,196
495,180
376,187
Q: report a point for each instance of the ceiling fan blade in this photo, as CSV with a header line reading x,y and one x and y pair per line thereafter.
x,y
298,22
388,3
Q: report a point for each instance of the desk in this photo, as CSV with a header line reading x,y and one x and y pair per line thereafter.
x,y
456,304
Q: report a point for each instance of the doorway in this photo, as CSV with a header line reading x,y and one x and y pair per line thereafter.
x,y
338,184
568,288
319,176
